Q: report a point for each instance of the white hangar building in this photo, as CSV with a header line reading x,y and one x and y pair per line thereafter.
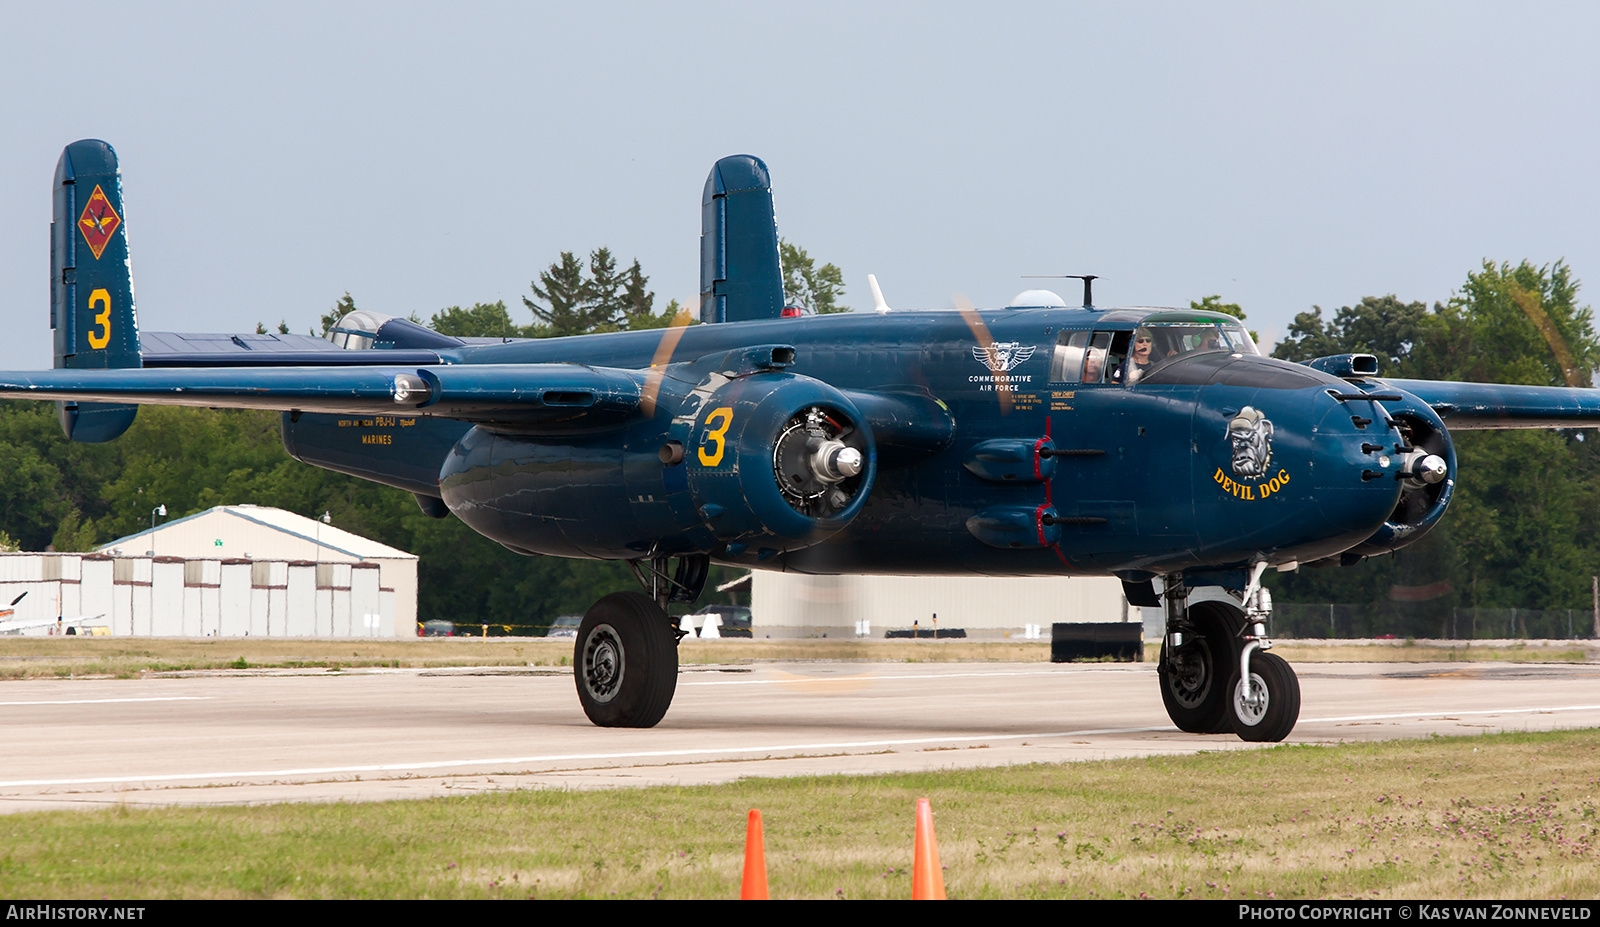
x,y
230,571
796,604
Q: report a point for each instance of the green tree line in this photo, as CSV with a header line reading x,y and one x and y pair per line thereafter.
x,y
1521,530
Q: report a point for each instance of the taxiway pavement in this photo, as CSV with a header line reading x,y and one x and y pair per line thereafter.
x,y
256,737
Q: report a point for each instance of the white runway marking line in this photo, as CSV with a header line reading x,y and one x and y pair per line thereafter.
x,y
701,751
806,677
105,701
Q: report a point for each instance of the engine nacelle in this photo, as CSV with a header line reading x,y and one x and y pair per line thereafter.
x,y
778,461
1424,461
741,467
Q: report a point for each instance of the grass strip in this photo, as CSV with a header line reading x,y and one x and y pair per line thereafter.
x,y
1495,816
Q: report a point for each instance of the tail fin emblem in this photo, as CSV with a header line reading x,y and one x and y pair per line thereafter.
x,y
98,222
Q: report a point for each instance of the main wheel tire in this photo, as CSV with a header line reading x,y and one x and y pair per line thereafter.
x,y
1272,714
1197,687
625,661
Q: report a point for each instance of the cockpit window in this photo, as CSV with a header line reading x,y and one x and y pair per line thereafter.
x,y
1068,359
1157,342
1095,368
1242,343
1126,357
1117,359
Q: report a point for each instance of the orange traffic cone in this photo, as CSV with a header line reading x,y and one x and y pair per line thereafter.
x,y
927,877
755,861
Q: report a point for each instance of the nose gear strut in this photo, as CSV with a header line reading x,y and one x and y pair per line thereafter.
x,y
1216,674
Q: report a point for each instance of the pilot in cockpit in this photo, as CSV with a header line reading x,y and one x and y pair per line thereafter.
x,y
1144,355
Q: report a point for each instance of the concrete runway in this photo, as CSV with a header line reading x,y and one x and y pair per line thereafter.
x,y
265,736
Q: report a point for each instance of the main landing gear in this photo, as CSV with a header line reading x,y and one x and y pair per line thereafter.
x,y
625,661
1215,674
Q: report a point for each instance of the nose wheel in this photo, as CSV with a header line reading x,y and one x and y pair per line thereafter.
x,y
1265,707
1200,681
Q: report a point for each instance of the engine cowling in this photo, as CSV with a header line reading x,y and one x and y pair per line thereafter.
x,y
738,466
1425,464
778,461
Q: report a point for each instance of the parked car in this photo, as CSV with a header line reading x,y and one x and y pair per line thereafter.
x,y
565,626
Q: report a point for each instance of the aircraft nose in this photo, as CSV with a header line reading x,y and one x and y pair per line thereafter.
x,y
1356,459
1289,462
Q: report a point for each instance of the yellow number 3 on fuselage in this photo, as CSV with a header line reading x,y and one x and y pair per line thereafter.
x,y
103,320
716,436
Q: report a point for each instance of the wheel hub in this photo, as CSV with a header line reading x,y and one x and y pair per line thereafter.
x,y
1250,700
1191,674
603,663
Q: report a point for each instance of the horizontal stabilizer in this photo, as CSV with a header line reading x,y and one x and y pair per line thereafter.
x,y
178,349
389,342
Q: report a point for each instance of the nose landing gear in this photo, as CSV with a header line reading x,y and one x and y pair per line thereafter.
x,y
1215,674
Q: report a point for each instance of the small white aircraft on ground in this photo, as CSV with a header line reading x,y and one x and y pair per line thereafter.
x,y
10,625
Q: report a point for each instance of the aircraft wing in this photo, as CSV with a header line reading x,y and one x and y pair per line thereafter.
x,y
530,394
1480,406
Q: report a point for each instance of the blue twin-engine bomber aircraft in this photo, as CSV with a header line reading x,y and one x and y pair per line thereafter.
x,y
1148,444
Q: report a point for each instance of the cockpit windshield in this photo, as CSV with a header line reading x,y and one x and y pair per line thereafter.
x,y
1121,356
1158,342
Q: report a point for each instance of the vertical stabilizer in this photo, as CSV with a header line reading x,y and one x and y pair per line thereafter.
x,y
740,275
91,283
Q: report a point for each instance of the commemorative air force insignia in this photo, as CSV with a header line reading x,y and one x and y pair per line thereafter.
x,y
1002,356
1250,433
98,222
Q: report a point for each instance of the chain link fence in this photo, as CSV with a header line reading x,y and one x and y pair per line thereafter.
x,y
1426,620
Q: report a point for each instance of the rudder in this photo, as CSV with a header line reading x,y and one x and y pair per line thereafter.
x,y
741,278
91,283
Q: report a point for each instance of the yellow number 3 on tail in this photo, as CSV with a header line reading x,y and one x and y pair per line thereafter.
x,y
103,320
716,435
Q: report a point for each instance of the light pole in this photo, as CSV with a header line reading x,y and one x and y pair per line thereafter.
x,y
158,510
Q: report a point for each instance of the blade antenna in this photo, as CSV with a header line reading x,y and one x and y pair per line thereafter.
x,y
877,295
1088,284
1088,288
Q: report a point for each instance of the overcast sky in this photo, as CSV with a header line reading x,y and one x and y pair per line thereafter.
x,y
1280,155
